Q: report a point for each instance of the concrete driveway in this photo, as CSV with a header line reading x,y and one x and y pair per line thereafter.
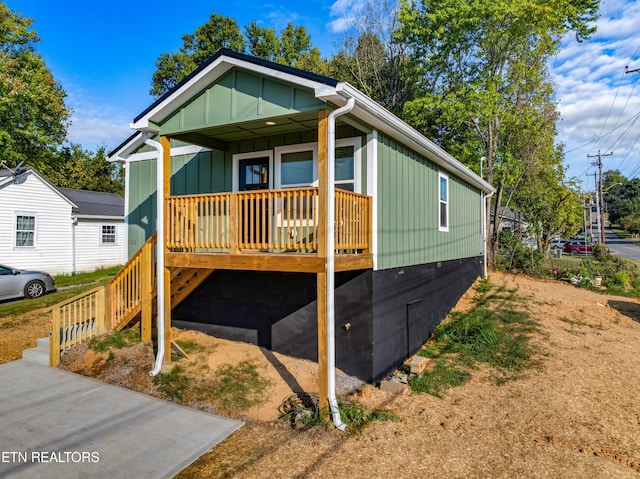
x,y
57,424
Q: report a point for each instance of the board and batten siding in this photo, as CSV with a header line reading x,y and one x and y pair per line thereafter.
x,y
52,249
240,96
408,206
203,172
91,253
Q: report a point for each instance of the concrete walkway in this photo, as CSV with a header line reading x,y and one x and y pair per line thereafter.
x,y
57,424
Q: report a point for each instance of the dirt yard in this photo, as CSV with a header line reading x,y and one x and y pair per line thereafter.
x,y
575,415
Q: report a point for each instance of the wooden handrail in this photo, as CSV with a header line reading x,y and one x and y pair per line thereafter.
x,y
282,220
274,220
76,320
125,290
103,308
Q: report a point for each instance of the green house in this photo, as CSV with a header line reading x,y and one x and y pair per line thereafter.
x,y
310,220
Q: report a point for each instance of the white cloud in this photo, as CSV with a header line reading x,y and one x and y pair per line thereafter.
x,y
597,100
346,13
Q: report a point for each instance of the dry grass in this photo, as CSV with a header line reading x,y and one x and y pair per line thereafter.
x,y
575,414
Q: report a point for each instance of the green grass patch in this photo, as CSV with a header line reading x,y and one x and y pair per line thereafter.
x,y
495,332
96,278
239,387
28,305
355,416
190,346
101,274
174,384
115,339
443,376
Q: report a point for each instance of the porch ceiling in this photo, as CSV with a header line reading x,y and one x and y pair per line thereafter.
x,y
213,136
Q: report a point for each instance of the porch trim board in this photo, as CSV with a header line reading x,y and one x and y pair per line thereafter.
x,y
256,261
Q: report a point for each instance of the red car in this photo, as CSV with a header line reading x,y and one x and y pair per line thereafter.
x,y
578,247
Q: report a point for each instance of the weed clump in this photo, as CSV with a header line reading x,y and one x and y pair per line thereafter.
x,y
115,340
239,387
494,333
173,384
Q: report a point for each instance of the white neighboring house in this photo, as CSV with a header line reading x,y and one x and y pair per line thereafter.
x,y
58,230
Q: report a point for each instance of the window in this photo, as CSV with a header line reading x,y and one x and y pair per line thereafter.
x,y
296,168
108,234
443,194
25,231
344,172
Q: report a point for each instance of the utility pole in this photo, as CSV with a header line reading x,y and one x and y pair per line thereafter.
x,y
598,223
626,70
600,195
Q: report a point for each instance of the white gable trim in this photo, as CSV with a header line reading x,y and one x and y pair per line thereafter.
x,y
210,74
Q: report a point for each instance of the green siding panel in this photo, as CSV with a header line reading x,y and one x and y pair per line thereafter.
x,y
408,205
204,172
240,96
141,217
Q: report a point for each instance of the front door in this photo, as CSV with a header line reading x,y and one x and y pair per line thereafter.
x,y
254,211
254,174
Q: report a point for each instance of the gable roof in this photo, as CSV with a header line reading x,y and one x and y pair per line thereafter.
x,y
83,203
327,90
4,174
95,203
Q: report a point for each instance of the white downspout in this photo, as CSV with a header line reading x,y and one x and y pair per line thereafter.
x,y
331,253
74,223
159,248
485,199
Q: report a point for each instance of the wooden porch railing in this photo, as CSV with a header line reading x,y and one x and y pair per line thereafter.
x,y
133,284
76,320
105,308
272,220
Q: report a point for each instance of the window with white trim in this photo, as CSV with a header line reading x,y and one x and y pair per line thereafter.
x,y
296,168
108,235
296,165
443,202
25,231
344,171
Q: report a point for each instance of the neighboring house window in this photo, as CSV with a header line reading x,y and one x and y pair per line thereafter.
x,y
108,234
443,203
25,231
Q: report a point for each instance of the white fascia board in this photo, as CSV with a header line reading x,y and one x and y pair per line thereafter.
x,y
153,155
100,217
122,153
381,119
50,186
182,95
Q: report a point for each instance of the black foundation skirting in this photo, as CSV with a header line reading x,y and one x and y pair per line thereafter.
x,y
382,317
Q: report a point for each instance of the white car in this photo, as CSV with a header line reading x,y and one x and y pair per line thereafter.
x,y
558,243
18,283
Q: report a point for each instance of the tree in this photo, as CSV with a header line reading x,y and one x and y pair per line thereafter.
x,y
481,70
171,68
369,58
292,48
84,170
33,114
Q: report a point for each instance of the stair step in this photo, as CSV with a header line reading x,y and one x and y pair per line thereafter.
x,y
43,343
36,355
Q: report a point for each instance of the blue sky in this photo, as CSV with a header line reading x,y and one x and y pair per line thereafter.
x,y
103,54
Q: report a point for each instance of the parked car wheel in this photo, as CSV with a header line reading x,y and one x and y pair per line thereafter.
x,y
574,252
34,289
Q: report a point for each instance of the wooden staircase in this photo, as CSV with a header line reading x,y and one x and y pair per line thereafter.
x,y
130,296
